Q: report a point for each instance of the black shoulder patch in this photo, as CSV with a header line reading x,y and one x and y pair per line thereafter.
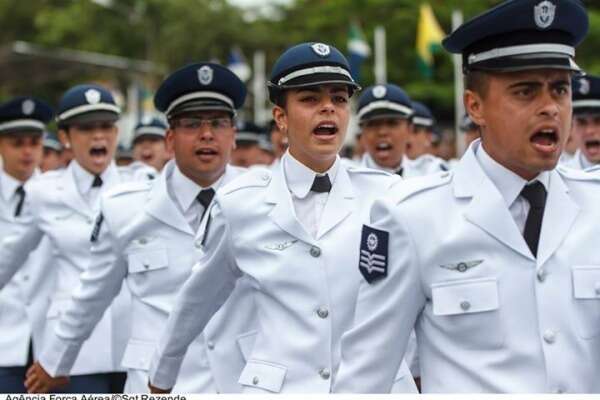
x,y
373,254
97,226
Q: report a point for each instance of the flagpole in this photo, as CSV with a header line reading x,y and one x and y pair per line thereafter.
x,y
259,88
380,56
459,87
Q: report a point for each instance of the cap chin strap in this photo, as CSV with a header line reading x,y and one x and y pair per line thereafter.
x,y
22,123
323,69
522,50
88,108
200,95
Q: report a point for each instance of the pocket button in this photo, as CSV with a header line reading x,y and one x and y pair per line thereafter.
x,y
465,305
549,336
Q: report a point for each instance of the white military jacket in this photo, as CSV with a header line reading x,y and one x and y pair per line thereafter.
x,y
304,288
489,316
23,298
421,166
579,161
144,240
60,213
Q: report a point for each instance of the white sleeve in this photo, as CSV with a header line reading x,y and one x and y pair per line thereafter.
x,y
16,245
99,284
212,280
386,311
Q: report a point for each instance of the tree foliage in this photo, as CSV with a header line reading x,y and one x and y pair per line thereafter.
x,y
175,32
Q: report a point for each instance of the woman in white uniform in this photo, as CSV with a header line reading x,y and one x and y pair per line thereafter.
x,y
64,205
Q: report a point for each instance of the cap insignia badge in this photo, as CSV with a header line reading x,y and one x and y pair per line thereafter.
x,y
321,49
93,96
28,107
544,14
205,75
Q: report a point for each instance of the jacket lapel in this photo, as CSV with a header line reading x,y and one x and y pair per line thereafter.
x,y
487,208
339,203
69,194
161,206
283,213
559,215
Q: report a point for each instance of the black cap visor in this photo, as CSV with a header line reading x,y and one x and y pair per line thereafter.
x,y
90,117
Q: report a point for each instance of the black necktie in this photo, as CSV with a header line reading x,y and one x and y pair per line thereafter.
x,y
21,193
400,171
321,184
205,197
535,194
97,181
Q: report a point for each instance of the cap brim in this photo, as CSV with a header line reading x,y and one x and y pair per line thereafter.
x,y
147,136
94,116
382,114
515,64
201,105
319,79
22,131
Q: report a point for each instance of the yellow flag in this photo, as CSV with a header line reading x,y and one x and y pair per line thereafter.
x,y
429,38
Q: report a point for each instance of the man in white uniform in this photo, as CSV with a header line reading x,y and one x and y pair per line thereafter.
x,y
145,236
500,277
24,299
586,123
285,231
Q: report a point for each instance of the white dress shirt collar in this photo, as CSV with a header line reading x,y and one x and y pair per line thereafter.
x,y
507,182
185,190
85,179
583,161
9,185
300,178
370,163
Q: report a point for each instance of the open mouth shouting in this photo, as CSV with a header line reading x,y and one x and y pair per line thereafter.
x,y
99,153
383,149
325,131
592,147
206,153
546,140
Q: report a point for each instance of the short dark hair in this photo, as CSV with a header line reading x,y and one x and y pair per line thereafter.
x,y
477,81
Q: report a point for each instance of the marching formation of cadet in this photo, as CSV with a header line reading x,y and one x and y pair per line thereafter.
x,y
227,259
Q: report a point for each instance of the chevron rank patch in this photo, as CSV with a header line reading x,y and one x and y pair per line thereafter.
x,y
373,254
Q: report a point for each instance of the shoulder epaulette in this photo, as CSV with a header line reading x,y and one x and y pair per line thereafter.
x,y
357,169
53,174
128,187
578,174
254,177
411,187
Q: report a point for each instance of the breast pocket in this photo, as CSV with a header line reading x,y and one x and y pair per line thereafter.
x,y
263,375
147,260
469,309
586,294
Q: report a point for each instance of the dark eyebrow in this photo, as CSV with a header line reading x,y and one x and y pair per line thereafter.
x,y
560,82
310,89
525,83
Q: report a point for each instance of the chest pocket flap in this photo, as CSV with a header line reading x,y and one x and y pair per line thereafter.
x,y
465,296
263,375
148,260
586,282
